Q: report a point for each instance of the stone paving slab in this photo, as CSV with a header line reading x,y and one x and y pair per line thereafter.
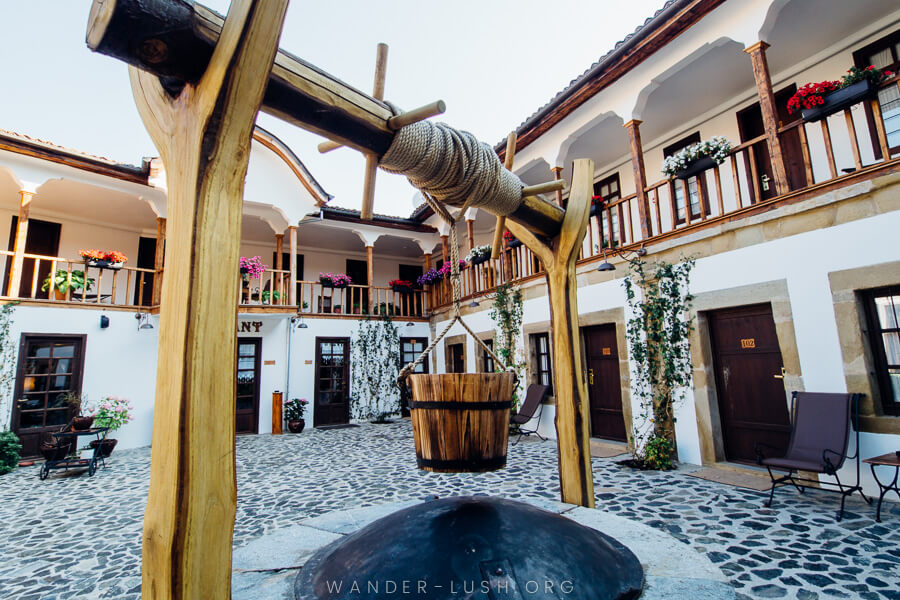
x,y
79,537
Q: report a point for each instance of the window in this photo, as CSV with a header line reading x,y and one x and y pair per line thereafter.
x,y
608,189
883,307
540,343
410,349
884,54
696,185
487,362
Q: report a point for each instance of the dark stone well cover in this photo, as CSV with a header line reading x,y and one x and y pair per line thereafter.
x,y
472,548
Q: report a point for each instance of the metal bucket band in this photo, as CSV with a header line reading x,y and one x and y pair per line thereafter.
x,y
459,464
498,405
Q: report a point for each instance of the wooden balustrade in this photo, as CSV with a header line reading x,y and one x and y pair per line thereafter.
x,y
317,299
271,289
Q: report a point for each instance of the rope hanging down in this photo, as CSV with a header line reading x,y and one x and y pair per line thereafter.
x,y
453,167
455,284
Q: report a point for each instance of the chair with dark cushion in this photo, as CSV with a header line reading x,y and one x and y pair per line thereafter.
x,y
820,436
534,402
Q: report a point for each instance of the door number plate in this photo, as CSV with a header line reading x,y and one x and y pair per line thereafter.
x,y
748,343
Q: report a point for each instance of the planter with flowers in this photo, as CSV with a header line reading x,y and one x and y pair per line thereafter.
x,y
83,417
293,414
334,280
447,267
815,101
511,240
402,286
112,412
103,259
596,205
430,277
251,268
479,254
696,158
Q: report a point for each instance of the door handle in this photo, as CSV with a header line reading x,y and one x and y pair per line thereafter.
x,y
780,376
591,376
765,182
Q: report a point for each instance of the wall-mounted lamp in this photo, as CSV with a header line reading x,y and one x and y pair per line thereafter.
x,y
474,303
298,322
104,321
410,324
143,320
608,266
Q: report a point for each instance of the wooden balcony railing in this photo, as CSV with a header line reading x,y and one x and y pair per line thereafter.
x,y
316,299
726,191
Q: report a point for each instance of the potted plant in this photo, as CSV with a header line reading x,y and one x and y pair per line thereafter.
x,y
293,414
430,277
53,449
334,280
401,286
64,281
696,158
112,412
357,308
9,451
511,240
447,267
479,254
251,268
815,101
596,205
103,259
84,417
274,296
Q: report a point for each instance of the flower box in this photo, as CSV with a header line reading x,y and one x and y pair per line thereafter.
x,y
104,264
840,99
696,167
401,286
483,258
515,243
334,280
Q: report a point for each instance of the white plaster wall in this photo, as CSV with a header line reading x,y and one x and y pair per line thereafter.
x,y
271,181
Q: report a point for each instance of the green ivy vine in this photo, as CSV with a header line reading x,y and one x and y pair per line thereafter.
x,y
375,364
506,313
9,442
658,334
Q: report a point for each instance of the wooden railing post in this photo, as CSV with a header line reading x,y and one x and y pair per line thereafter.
x,y
159,259
15,279
370,276
557,175
445,248
292,244
757,54
279,266
203,136
640,177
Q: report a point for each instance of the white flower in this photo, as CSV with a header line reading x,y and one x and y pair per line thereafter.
x,y
716,147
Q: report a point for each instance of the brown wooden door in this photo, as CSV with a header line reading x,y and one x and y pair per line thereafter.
x,y
750,125
358,271
50,367
604,382
332,397
247,389
752,402
456,359
43,240
146,259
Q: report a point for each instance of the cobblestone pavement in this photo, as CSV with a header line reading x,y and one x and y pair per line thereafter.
x,y
72,536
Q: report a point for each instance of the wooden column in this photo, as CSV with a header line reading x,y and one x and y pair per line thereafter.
x,y
429,289
757,54
445,248
292,261
279,251
15,278
640,176
159,259
427,260
470,233
572,410
370,275
557,175
203,136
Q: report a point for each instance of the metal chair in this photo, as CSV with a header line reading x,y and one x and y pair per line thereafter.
x,y
820,436
534,402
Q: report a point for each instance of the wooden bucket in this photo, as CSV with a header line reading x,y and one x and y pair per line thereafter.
x,y
461,421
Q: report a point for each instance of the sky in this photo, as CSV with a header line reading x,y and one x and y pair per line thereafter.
x,y
494,63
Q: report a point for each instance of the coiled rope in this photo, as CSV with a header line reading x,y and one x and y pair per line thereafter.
x,y
453,167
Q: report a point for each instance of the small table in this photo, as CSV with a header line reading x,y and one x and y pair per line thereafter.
x,y
885,460
77,463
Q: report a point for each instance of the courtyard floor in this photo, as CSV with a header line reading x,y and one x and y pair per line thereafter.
x,y
80,537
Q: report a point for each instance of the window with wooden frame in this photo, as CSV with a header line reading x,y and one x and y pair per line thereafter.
x,y
608,189
410,349
543,373
696,185
883,311
883,54
487,362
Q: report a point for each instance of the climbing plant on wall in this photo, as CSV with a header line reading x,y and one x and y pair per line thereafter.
x,y
7,364
507,316
374,365
658,332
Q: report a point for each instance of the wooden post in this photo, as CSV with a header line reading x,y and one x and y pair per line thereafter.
x,y
501,221
15,278
557,175
370,275
429,290
757,54
572,411
640,176
277,403
292,261
159,259
470,233
203,136
279,251
445,248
